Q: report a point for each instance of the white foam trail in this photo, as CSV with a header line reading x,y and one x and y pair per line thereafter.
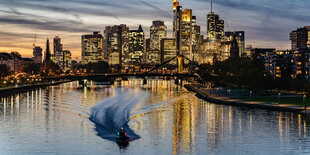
x,y
114,112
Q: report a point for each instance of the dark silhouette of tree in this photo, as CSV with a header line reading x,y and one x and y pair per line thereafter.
x,y
4,70
32,68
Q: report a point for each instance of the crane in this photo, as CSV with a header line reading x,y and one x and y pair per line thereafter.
x,y
34,42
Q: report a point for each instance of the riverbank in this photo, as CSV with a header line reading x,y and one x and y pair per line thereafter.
x,y
24,88
201,93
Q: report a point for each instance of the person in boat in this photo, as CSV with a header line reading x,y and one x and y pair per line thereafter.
x,y
122,134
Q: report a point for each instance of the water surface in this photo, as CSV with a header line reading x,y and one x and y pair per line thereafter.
x,y
164,119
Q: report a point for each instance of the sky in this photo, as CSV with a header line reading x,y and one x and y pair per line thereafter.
x,y
267,23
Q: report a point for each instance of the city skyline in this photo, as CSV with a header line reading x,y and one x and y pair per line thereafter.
x,y
21,20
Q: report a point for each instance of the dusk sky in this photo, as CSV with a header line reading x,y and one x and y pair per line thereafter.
x,y
267,23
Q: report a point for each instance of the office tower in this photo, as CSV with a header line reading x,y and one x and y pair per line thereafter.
x,y
37,54
65,60
300,38
196,40
57,45
92,51
158,31
240,38
168,48
187,32
47,52
215,27
116,45
57,48
308,43
136,47
177,26
234,49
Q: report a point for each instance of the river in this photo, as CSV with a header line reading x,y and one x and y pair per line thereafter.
x,y
160,117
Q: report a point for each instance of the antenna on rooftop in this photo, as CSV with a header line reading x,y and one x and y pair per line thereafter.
x,y
211,6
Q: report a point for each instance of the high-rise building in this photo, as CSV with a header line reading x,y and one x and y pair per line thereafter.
x,y
158,31
92,48
196,40
57,48
215,27
168,48
37,54
177,26
116,44
47,52
65,60
300,38
57,45
239,36
308,43
136,47
187,33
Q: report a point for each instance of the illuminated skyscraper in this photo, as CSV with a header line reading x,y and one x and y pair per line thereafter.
x,y
158,31
92,51
116,45
37,54
215,27
196,40
57,49
168,49
57,46
240,38
300,38
64,60
47,52
136,47
177,26
187,33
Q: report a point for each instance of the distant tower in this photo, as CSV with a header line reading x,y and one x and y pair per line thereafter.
x,y
37,54
215,26
47,52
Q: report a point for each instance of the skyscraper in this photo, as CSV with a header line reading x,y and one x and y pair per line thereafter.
x,y
177,26
65,60
116,45
57,45
158,31
57,48
92,48
215,27
187,32
168,49
136,47
240,38
37,54
47,52
196,40
300,38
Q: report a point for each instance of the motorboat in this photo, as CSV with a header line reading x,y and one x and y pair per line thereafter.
x,y
122,135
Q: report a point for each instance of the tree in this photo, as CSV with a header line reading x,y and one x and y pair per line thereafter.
x,y
32,68
4,70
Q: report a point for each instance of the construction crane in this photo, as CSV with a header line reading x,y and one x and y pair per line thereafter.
x,y
34,42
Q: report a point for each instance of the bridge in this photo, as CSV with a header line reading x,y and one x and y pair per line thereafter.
x,y
179,75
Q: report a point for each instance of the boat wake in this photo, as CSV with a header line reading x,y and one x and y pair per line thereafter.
x,y
114,112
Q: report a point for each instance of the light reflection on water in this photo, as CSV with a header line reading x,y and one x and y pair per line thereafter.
x,y
172,120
